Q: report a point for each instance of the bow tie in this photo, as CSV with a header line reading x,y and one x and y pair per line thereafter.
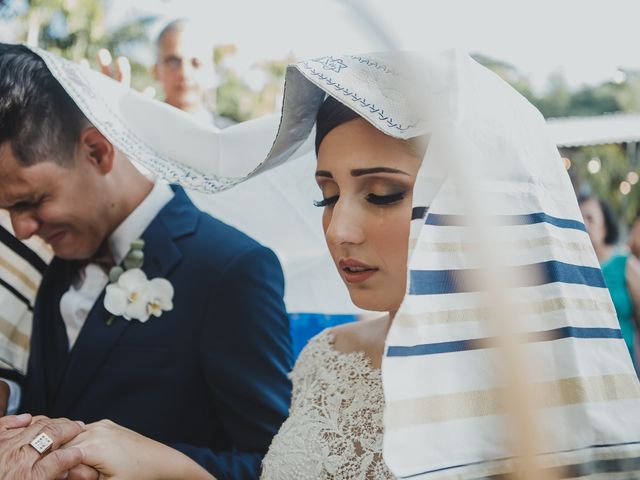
x,y
102,257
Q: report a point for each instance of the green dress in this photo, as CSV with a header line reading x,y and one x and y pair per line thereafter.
x,y
614,276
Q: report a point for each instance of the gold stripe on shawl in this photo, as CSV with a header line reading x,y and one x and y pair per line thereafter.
x,y
24,278
483,314
14,335
478,403
455,247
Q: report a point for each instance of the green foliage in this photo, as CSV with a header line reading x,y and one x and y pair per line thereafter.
x,y
561,101
230,98
629,95
606,182
75,29
235,98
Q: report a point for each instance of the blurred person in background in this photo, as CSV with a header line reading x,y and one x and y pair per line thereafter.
x,y
625,292
183,67
633,282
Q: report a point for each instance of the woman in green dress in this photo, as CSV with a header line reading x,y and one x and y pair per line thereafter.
x,y
621,280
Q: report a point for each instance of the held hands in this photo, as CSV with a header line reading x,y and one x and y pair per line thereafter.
x,y
19,460
102,450
119,453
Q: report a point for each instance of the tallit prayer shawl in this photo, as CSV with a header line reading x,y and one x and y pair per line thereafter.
x,y
22,265
497,244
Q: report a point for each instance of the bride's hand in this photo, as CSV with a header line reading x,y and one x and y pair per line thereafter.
x,y
119,453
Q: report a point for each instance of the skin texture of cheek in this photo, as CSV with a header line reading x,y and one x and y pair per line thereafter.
x,y
84,222
394,237
386,233
594,221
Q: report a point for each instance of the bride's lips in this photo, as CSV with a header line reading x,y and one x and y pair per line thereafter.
x,y
354,271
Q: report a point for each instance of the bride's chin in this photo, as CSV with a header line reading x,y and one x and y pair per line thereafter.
x,y
371,301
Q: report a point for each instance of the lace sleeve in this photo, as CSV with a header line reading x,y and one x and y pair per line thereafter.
x,y
334,429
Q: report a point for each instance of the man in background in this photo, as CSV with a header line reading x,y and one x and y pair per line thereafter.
x,y
184,68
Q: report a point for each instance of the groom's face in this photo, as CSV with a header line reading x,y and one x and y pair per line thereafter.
x,y
65,205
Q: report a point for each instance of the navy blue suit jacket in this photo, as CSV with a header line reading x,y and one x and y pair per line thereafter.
x,y
208,377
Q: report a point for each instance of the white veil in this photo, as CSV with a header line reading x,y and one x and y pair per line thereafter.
x,y
497,245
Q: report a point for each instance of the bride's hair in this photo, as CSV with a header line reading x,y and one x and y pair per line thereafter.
x,y
334,113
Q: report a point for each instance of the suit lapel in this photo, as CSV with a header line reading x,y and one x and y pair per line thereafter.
x,y
96,338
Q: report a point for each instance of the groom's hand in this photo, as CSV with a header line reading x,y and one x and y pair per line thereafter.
x,y
19,460
4,397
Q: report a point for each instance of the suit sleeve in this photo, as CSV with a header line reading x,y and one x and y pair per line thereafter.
x,y
246,356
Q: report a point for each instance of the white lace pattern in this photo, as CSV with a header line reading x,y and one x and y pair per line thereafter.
x,y
334,429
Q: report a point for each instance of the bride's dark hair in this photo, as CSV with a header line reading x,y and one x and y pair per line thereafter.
x,y
332,114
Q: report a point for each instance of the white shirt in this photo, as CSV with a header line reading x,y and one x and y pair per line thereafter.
x,y
77,302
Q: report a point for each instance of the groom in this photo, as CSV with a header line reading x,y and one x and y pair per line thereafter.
x,y
209,376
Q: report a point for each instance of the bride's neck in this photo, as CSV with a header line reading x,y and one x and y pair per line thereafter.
x,y
367,335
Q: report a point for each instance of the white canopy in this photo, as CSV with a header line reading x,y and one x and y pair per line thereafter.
x,y
598,130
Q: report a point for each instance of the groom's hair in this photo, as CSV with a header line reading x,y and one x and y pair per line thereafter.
x,y
37,117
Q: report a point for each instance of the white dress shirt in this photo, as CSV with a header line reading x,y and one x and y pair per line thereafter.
x,y
77,302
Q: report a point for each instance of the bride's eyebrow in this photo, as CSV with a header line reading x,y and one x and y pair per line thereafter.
x,y
358,172
324,173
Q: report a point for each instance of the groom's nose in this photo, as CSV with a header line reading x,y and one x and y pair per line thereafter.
x,y
24,224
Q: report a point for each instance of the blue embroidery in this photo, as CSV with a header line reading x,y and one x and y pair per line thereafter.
x,y
347,93
330,63
374,64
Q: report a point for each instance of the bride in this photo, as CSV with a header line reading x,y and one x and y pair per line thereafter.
x,y
422,390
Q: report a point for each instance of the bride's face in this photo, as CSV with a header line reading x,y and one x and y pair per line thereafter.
x,y
367,178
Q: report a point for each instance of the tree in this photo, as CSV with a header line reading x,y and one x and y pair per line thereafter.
x,y
75,29
560,101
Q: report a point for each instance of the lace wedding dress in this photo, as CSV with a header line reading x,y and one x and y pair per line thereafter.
x,y
334,429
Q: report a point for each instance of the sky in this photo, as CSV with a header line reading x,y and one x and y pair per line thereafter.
x,y
586,40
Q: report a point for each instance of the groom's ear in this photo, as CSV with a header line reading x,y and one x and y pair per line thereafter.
x,y
96,149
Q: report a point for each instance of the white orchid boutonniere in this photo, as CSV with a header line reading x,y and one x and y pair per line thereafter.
x,y
131,294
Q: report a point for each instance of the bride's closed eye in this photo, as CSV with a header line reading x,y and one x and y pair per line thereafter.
x,y
371,198
325,202
385,199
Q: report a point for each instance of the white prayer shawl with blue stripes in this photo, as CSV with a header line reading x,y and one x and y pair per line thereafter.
x,y
499,258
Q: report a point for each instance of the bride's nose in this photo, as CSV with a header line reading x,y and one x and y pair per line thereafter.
x,y
344,224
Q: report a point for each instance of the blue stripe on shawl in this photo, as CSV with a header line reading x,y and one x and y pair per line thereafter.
x,y
489,342
505,220
439,282
590,447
